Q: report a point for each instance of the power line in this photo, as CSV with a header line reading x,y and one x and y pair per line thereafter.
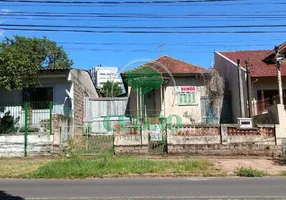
x,y
137,15
134,3
117,2
109,14
146,27
143,32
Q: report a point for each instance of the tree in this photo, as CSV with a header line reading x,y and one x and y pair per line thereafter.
x,y
21,57
111,89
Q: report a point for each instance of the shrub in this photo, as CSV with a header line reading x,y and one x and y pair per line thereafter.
x,y
8,123
250,172
283,173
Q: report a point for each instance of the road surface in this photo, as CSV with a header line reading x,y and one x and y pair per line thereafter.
x,y
144,188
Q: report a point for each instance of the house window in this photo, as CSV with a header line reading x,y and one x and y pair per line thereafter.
x,y
187,98
39,98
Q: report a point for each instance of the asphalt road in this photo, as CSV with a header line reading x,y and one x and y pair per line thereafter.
x,y
147,188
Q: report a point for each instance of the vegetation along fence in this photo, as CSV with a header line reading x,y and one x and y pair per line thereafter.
x,y
80,140
26,128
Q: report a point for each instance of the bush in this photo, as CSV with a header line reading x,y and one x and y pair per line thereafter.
x,y
283,173
250,172
8,123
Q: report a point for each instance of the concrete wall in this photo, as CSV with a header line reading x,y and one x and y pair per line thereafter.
x,y
131,144
227,69
82,86
227,142
240,149
13,145
112,110
221,140
277,115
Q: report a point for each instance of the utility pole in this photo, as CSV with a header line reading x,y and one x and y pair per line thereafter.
x,y
249,89
241,95
278,66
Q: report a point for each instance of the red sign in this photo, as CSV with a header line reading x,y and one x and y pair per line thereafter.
x,y
180,89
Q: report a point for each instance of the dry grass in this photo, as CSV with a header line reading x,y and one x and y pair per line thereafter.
x,y
20,168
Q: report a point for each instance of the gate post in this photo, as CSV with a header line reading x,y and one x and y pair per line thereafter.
x,y
26,128
51,117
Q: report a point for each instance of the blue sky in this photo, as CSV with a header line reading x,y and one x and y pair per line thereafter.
x,y
117,49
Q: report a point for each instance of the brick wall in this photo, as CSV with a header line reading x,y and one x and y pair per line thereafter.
x,y
59,122
79,95
226,140
132,149
241,149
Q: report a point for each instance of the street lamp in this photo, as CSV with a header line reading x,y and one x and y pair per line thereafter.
x,y
278,59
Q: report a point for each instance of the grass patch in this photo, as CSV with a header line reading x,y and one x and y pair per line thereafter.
x,y
20,168
250,172
282,173
121,166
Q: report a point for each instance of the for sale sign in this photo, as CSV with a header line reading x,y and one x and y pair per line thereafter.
x,y
185,89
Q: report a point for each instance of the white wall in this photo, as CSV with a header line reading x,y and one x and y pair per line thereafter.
x,y
227,69
171,99
13,145
84,79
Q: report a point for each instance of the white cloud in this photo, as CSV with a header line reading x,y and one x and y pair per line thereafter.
x,y
5,11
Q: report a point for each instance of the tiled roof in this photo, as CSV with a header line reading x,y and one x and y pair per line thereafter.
x,y
175,66
281,47
258,68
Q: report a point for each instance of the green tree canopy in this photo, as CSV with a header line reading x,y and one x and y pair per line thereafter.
x,y
144,79
111,89
21,57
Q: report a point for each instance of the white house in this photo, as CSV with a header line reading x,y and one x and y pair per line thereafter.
x,y
65,88
100,75
183,94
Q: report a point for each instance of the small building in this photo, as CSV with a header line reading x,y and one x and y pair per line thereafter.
x,y
61,93
263,75
183,94
101,74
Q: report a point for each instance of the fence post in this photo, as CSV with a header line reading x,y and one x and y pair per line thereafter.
x,y
26,128
86,138
51,117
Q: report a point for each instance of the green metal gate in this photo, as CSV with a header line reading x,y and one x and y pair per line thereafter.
x,y
80,140
37,120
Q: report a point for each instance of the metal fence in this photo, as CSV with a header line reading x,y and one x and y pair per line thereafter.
x,y
26,117
20,120
99,111
80,140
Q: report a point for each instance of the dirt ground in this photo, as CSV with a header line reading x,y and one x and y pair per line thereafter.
x,y
230,164
272,166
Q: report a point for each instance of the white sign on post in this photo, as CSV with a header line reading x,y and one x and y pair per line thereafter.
x,y
155,133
